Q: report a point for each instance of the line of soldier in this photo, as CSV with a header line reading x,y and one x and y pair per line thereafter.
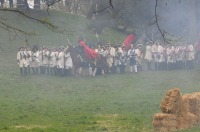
x,y
56,61
44,61
119,57
168,56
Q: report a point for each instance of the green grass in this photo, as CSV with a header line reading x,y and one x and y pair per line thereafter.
x,y
121,102
105,103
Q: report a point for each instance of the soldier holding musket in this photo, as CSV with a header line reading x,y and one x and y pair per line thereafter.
x,y
53,61
60,61
68,62
28,59
39,58
34,63
21,60
46,55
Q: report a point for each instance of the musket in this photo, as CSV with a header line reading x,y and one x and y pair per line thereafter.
x,y
64,59
97,36
69,41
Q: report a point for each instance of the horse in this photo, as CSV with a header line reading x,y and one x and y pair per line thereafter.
x,y
78,59
81,64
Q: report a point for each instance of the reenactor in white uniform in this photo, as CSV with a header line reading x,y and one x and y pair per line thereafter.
x,y
184,54
178,56
68,64
139,56
116,59
21,60
112,58
132,59
148,55
161,57
28,59
123,60
39,59
61,61
53,61
34,63
46,55
155,54
171,57
190,56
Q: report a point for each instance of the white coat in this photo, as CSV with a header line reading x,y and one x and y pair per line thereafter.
x,y
139,56
46,58
68,61
34,63
21,59
60,62
39,58
148,54
190,52
28,58
53,59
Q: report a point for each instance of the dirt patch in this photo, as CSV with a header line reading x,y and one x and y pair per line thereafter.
x,y
108,115
109,122
30,126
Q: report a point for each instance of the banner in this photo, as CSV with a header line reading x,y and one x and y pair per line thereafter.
x,y
90,54
128,41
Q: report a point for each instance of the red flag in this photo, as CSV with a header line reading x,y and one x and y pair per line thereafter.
x,y
90,54
129,39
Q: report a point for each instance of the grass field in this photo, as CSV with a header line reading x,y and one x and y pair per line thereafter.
x,y
105,103
120,103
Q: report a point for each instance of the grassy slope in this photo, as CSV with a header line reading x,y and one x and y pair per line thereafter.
x,y
105,103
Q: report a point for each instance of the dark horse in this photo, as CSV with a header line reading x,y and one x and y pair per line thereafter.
x,y
81,64
78,59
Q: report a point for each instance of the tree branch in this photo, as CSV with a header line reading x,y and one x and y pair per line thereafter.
x,y
44,22
7,27
156,16
50,4
110,2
